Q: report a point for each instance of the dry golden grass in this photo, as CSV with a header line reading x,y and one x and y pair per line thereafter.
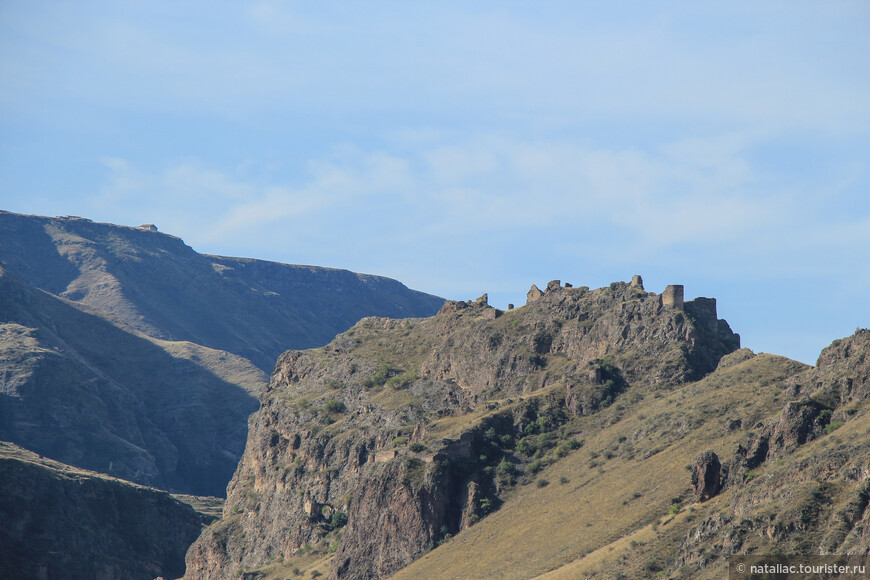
x,y
301,567
607,504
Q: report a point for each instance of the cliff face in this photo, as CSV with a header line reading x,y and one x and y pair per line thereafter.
x,y
399,434
60,522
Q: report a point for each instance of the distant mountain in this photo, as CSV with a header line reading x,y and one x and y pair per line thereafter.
x,y
154,283
61,522
124,351
79,389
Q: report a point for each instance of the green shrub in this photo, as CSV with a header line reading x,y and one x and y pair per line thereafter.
x,y
398,441
401,381
506,472
338,519
565,447
542,483
546,440
335,406
831,427
383,374
527,445
417,447
536,466
825,416
486,505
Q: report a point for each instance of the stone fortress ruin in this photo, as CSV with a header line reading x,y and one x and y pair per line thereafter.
x,y
702,310
672,297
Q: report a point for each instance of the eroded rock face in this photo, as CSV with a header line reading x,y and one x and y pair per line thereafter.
x,y
841,378
706,476
408,426
842,373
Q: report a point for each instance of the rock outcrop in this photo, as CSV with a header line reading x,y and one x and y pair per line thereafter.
x,y
706,473
415,428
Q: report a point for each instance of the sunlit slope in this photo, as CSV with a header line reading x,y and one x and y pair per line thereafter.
x,y
622,484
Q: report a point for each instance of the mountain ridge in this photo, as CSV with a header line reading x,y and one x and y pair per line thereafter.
x,y
156,284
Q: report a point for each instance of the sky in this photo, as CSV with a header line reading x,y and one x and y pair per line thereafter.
x,y
469,147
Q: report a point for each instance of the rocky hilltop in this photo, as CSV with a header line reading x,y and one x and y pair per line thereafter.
x,y
62,522
400,434
124,351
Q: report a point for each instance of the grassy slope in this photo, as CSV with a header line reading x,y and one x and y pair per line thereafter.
x,y
604,504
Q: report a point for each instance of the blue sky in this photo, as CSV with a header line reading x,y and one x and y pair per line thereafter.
x,y
469,147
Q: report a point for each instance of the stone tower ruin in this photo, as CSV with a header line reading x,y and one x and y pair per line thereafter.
x,y
673,296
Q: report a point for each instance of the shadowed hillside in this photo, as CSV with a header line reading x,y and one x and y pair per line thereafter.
x,y
79,389
62,522
124,351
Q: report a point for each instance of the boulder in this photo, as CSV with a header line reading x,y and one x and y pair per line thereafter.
x,y
705,476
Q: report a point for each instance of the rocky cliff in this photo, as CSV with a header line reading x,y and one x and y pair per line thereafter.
x,y
400,434
64,523
800,480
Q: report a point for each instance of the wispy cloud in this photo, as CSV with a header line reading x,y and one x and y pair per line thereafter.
x,y
703,192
